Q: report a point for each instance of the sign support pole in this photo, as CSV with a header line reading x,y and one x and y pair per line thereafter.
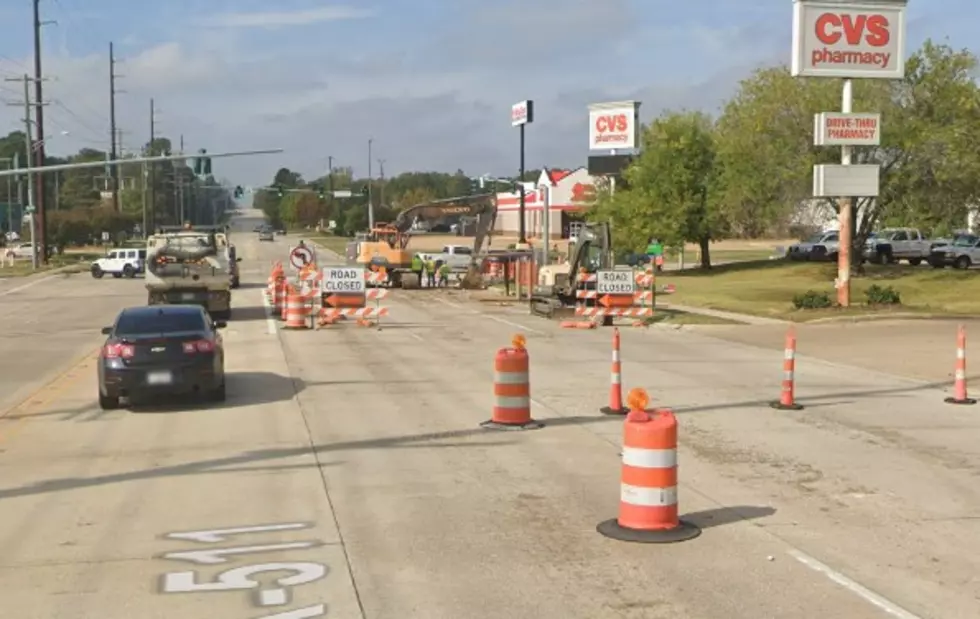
x,y
846,214
522,241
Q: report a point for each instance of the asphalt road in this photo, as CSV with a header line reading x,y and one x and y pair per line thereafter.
x,y
347,469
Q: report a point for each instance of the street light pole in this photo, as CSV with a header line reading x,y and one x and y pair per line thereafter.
x,y
370,197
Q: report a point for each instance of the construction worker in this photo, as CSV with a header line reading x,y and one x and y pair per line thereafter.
x,y
430,271
444,271
417,267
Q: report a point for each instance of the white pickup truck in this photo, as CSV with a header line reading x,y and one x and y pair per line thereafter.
x,y
819,247
458,257
894,244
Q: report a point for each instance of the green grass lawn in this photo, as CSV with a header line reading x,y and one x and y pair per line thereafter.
x,y
767,288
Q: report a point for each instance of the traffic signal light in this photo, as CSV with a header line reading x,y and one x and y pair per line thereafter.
x,y
239,192
279,190
202,164
320,193
364,192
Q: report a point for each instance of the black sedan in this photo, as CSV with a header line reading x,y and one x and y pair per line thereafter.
x,y
162,350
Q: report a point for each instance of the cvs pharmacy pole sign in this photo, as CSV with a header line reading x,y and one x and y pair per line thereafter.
x,y
614,126
849,39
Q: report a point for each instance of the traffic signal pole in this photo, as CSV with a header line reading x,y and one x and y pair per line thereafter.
x,y
100,164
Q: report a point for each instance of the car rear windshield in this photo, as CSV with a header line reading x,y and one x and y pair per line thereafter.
x,y
140,323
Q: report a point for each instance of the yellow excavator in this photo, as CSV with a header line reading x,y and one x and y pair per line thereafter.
x,y
555,294
386,245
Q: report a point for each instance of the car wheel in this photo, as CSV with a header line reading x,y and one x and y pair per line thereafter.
x,y
129,272
108,403
219,394
962,263
915,261
97,272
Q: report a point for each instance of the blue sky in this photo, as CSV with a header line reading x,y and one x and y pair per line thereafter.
x,y
431,81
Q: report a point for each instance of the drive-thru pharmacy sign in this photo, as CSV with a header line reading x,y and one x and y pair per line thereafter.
x,y
837,129
849,39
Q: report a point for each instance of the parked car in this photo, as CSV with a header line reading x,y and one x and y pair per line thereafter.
x,y
894,244
21,251
823,246
161,350
962,253
121,262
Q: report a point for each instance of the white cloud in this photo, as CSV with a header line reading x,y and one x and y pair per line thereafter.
x,y
276,19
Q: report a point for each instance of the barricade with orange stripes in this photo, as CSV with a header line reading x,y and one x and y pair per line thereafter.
x,y
648,507
340,306
512,389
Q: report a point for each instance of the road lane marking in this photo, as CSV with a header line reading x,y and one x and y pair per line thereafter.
x,y
270,321
244,578
854,587
494,318
31,405
27,285
215,536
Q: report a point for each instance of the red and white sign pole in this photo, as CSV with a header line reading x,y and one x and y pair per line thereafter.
x,y
521,115
838,38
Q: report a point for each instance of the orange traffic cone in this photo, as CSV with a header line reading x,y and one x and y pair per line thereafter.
x,y
959,377
616,384
787,401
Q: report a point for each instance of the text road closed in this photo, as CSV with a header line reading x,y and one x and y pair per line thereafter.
x,y
337,279
615,282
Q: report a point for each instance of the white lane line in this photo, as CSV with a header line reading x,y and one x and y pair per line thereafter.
x,y
494,318
857,589
27,285
416,336
270,322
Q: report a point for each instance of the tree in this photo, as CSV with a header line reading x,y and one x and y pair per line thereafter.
x,y
672,188
928,156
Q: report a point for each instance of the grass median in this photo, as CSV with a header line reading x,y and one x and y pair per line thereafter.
x,y
767,288
80,262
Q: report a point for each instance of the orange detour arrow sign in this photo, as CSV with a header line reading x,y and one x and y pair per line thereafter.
x,y
345,300
619,300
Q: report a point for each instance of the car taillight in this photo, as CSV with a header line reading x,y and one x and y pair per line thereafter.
x,y
198,346
118,351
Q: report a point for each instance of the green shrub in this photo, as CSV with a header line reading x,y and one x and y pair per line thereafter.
x,y
882,295
811,299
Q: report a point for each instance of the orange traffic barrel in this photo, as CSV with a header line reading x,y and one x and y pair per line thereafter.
x,y
512,389
297,311
648,510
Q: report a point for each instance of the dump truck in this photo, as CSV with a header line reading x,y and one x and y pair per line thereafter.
x,y
554,294
385,247
188,265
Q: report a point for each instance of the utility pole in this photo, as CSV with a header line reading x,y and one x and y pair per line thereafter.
x,y
369,183
150,176
330,185
381,174
180,183
31,147
112,126
39,122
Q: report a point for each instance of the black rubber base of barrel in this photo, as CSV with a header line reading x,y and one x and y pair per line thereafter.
x,y
493,425
683,532
966,401
785,407
607,410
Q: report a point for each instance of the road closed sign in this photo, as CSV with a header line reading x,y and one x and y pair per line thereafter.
x,y
615,282
344,280
849,39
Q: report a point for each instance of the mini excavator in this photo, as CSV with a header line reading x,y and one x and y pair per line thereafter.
x,y
386,245
555,295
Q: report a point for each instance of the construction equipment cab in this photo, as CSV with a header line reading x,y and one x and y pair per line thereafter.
x,y
556,293
386,245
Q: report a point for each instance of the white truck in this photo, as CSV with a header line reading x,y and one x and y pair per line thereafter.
x,y
190,266
962,253
458,257
819,247
892,245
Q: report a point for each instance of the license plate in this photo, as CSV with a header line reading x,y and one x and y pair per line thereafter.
x,y
159,378
188,296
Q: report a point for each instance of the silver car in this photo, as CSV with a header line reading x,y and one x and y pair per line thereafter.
x,y
267,235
